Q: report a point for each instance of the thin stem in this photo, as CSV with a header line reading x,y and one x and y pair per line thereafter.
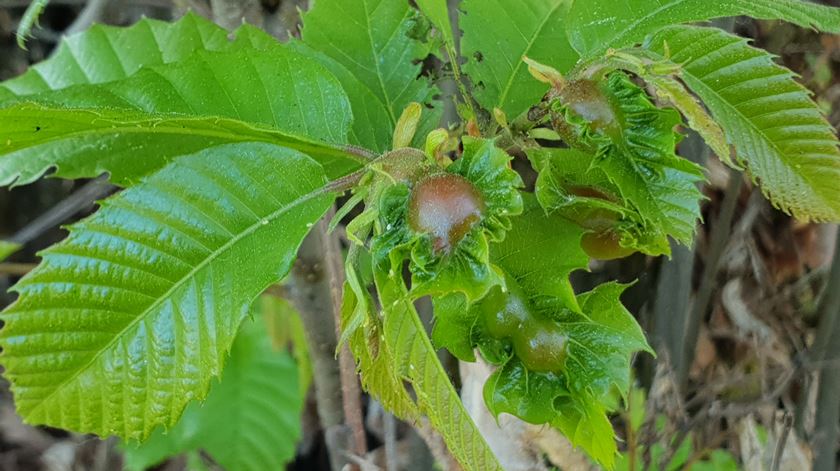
x,y
81,199
453,51
781,442
340,185
351,392
361,152
16,269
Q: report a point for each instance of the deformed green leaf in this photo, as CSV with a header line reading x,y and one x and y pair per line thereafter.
x,y
599,336
560,249
570,185
600,344
440,265
661,76
454,323
587,424
130,317
635,148
246,423
541,251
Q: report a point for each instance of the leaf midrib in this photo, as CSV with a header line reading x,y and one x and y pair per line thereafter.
x,y
382,87
136,127
519,61
772,144
177,285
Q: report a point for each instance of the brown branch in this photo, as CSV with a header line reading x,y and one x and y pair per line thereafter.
x,y
781,442
351,392
16,269
309,291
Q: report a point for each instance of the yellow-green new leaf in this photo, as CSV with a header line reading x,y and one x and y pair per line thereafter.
x,y
129,318
29,20
413,358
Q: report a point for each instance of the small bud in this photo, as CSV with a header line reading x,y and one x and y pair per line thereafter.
x,y
472,129
544,134
438,143
407,125
544,73
501,117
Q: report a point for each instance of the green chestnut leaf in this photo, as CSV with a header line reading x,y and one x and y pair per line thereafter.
x,y
488,167
456,321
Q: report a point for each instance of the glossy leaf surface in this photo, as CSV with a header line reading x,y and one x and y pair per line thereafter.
x,y
415,361
251,418
463,266
276,95
779,133
602,337
84,142
497,34
130,317
376,58
596,25
107,53
634,146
